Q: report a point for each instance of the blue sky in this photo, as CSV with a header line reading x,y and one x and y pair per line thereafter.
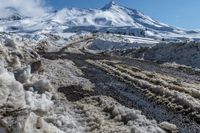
x,y
181,13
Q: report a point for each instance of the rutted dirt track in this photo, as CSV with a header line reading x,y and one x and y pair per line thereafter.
x,y
155,105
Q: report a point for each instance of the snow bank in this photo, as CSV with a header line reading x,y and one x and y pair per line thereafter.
x,y
182,53
101,45
11,92
36,124
39,103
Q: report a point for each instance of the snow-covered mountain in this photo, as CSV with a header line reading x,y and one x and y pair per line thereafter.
x,y
112,15
10,13
112,18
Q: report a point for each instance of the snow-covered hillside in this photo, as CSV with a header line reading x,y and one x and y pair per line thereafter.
x,y
95,70
112,18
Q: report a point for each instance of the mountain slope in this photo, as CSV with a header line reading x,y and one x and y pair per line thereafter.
x,y
111,18
110,15
10,13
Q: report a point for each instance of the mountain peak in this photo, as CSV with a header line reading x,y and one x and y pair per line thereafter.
x,y
11,13
110,5
11,9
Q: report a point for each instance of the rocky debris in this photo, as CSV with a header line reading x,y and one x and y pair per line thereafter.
x,y
42,47
37,66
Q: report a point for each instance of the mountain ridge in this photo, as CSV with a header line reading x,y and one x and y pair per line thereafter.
x,y
112,18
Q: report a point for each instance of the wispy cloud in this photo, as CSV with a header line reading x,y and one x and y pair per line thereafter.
x,y
25,7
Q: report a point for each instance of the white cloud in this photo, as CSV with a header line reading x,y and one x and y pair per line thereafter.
x,y
25,7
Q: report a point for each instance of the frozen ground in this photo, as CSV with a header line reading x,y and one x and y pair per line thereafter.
x,y
172,89
43,95
58,83
97,70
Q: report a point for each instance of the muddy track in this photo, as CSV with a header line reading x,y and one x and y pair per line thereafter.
x,y
127,94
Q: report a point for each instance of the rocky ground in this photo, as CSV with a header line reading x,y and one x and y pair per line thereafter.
x,y
54,89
